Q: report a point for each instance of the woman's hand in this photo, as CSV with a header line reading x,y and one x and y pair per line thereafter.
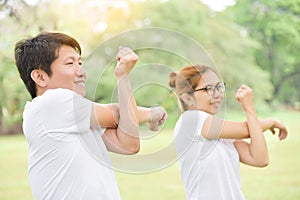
x,y
244,95
283,132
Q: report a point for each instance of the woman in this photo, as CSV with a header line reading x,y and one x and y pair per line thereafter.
x,y
210,148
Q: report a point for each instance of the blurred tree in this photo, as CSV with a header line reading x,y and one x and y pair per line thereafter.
x,y
223,40
12,93
276,26
97,23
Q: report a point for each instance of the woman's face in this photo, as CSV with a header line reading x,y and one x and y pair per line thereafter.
x,y
210,98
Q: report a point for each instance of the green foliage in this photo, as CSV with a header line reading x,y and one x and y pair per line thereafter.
x,y
254,42
276,26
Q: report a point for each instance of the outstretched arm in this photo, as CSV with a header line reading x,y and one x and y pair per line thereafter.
x,y
215,128
107,115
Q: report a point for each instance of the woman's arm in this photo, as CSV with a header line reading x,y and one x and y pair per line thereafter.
x,y
215,128
254,153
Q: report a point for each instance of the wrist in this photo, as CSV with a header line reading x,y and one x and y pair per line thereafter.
x,y
121,70
123,77
250,111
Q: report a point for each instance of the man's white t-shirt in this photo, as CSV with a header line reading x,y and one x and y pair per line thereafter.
x,y
67,158
209,168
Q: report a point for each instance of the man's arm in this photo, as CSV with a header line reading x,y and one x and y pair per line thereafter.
x,y
125,138
107,115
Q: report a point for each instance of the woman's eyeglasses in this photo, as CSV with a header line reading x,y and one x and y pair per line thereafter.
x,y
211,89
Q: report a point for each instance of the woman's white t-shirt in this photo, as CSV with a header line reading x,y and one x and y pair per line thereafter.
x,y
67,158
209,168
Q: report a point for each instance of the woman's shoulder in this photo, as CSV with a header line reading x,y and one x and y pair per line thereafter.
x,y
195,113
191,119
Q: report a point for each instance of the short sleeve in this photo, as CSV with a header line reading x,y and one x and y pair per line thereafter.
x,y
190,124
188,129
65,110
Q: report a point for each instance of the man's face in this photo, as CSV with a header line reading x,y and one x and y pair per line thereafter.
x,y
67,71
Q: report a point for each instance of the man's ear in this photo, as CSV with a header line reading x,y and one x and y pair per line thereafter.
x,y
40,77
187,99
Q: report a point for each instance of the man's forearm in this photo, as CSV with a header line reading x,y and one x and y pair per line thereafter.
x,y
143,113
128,121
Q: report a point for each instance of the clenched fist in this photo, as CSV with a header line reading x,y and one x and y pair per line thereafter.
x,y
126,59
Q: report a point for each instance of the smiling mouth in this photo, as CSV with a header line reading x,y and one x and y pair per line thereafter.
x,y
215,103
81,83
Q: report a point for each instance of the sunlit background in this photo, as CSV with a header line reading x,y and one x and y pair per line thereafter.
x,y
250,42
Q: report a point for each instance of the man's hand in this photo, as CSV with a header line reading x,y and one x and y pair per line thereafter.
x,y
158,115
126,60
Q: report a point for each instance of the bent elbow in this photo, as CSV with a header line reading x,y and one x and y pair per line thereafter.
x,y
264,163
136,149
133,149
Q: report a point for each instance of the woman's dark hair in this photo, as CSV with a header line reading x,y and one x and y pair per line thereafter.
x,y
40,52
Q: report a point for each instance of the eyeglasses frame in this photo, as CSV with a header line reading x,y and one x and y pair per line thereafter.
x,y
206,88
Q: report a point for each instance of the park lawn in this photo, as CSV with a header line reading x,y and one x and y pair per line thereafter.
x,y
13,168
280,180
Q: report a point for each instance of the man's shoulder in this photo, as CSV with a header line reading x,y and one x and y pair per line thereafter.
x,y
59,92
57,98
59,95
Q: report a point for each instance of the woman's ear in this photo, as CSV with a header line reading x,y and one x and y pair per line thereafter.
x,y
40,77
187,99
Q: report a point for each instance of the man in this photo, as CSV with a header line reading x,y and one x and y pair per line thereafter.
x,y
69,135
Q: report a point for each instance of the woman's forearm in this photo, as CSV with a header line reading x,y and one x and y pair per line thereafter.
x,y
258,147
266,123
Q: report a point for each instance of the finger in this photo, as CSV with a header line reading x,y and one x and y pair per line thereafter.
x,y
243,86
125,50
163,119
153,125
284,135
281,136
238,96
273,131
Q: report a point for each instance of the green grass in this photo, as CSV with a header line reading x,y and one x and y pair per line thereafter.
x,y
13,168
278,181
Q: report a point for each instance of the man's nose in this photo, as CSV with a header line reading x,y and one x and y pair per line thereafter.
x,y
81,72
